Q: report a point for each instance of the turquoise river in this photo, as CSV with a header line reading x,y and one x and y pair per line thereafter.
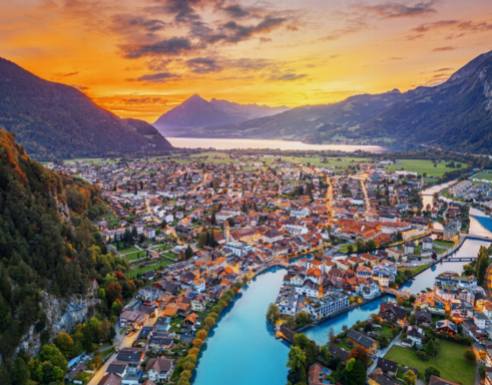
x,y
243,350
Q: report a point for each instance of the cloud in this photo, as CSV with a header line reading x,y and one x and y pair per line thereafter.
x,y
172,46
351,26
125,23
444,49
455,28
287,76
198,32
158,77
393,10
237,11
203,65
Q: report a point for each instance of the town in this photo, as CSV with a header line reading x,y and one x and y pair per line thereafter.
x,y
195,228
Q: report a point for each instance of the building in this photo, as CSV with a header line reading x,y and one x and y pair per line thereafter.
x,y
365,342
159,369
110,379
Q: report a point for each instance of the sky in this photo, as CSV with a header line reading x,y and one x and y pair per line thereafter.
x,y
141,58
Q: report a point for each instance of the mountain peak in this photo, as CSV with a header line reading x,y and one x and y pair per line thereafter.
x,y
53,120
197,113
195,98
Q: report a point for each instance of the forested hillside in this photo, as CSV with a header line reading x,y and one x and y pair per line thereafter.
x,y
48,248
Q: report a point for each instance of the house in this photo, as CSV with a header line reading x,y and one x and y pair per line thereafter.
x,y
339,353
365,342
446,326
110,379
415,335
423,317
117,367
318,374
159,369
409,248
427,244
377,378
387,366
393,313
130,355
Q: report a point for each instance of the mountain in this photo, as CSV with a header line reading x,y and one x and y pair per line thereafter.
x,y
456,114
53,120
194,115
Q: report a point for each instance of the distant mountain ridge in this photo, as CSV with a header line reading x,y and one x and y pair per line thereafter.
x,y
456,114
194,115
55,121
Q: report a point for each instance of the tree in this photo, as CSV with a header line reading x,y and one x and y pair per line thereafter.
x,y
302,319
353,373
308,346
469,355
481,265
64,342
188,252
431,371
20,373
273,313
297,365
410,377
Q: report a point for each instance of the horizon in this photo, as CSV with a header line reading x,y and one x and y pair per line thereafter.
x,y
143,58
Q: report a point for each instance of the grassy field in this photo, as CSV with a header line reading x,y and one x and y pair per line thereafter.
x,y
483,175
415,270
442,246
157,265
338,163
132,253
450,362
424,166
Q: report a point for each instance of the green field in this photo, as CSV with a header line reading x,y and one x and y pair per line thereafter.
x,y
485,175
450,362
425,166
157,265
132,253
442,246
335,163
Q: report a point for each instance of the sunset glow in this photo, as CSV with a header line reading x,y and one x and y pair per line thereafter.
x,y
140,58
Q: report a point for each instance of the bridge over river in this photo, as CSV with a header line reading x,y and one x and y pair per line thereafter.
x,y
457,254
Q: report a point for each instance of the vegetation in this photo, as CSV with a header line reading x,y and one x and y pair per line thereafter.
x,y
48,246
449,361
432,170
302,355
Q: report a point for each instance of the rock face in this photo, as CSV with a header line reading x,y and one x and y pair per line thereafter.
x,y
52,120
193,116
61,314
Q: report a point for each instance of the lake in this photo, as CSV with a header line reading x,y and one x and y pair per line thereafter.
x,y
262,144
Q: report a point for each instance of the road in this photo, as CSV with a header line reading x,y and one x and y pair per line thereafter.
x,y
121,342
382,352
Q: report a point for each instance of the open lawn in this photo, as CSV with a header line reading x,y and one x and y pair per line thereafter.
x,y
141,269
450,361
335,163
415,270
424,166
485,175
442,246
132,253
